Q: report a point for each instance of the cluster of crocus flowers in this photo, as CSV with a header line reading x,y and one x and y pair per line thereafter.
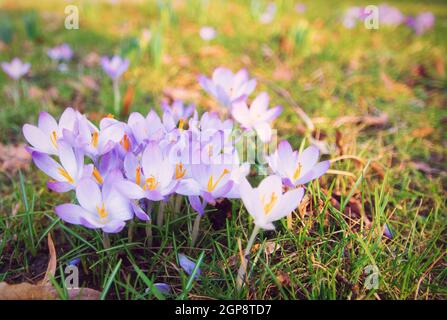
x,y
121,169
389,16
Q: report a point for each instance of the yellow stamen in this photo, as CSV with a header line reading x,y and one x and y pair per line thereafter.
x,y
102,211
95,139
53,138
138,175
297,173
181,123
180,171
125,142
211,186
66,175
269,206
97,176
151,183
110,116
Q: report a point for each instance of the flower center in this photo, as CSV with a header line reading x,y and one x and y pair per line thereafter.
x,y
102,211
95,139
53,138
181,123
180,171
269,205
211,186
66,175
97,175
297,172
151,183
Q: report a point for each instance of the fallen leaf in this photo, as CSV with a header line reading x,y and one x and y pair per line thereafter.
x,y
127,100
283,72
422,132
43,290
283,278
13,158
367,120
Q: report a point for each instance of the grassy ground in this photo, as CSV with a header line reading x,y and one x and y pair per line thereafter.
x,y
337,76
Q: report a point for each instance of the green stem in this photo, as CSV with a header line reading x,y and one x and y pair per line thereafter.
x,y
149,233
116,97
195,229
16,93
106,240
243,268
178,203
160,214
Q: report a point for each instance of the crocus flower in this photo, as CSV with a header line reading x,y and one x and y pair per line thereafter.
x,y
351,17
207,33
211,181
267,203
146,129
198,204
390,16
228,87
68,173
188,265
62,52
16,68
296,168
422,22
179,111
44,137
110,133
258,117
99,208
152,178
114,67
269,14
300,7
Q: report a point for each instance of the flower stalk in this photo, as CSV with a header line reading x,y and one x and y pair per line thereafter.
x,y
243,268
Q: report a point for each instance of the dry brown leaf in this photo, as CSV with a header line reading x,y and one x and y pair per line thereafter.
x,y
43,290
422,132
367,121
283,72
13,158
181,94
127,100
394,86
283,278
91,59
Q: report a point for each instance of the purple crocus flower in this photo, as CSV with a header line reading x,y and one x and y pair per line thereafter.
x,y
114,67
44,137
267,203
300,7
269,14
62,52
198,204
146,129
422,22
351,17
179,111
188,265
207,33
211,181
68,173
390,16
152,178
296,168
16,68
228,87
99,208
258,117
111,132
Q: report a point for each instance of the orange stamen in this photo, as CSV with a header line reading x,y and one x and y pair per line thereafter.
x,y
97,176
180,171
211,186
95,139
151,183
53,138
269,206
102,211
138,175
125,143
66,175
